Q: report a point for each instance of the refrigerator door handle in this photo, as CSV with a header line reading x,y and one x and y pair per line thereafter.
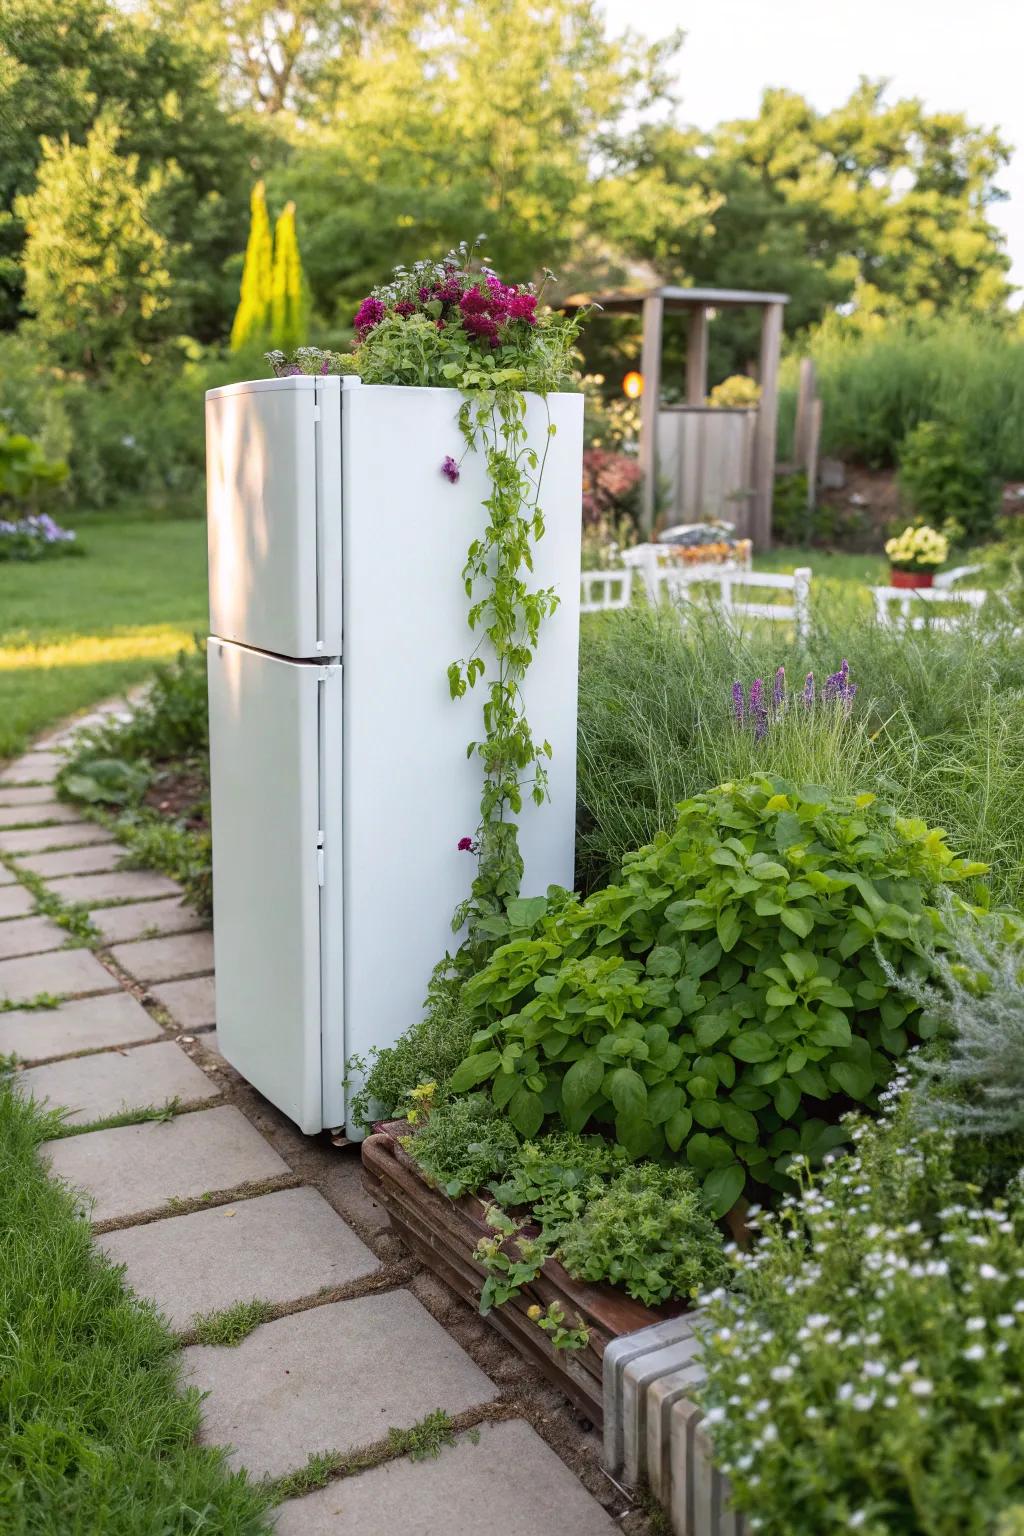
x,y
320,859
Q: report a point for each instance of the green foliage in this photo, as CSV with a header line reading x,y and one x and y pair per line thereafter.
x,y
97,1433
425,1440
25,469
649,1233
877,384
552,1322
105,781
171,849
231,1325
252,322
944,476
289,299
557,1176
97,266
511,1259
864,1372
427,1052
462,1143
731,979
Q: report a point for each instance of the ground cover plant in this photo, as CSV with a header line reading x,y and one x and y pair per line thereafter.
x,y
97,1435
67,642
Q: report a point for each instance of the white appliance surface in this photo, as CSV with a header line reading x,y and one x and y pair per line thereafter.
x,y
274,514
410,793
275,732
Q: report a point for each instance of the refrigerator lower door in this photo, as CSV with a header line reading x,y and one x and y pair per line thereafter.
x,y
274,727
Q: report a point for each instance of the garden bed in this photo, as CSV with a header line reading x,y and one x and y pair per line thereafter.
x,y
443,1233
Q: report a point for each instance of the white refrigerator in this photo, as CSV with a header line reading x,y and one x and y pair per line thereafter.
x,y
340,785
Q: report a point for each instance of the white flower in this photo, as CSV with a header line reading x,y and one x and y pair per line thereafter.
x,y
975,1352
975,1325
1006,1320
768,1434
715,1416
781,1373
989,1272
862,1401
873,1368
921,1388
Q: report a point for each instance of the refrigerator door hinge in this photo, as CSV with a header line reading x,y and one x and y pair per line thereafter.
x,y
316,413
319,858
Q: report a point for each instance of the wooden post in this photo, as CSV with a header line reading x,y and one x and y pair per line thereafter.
x,y
811,463
697,356
767,425
650,367
804,406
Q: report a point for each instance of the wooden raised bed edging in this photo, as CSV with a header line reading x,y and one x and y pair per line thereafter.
x,y
443,1233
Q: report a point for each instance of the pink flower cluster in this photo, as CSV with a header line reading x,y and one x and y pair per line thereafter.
x,y
484,309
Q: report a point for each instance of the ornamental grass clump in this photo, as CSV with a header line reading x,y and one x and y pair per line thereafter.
x,y
726,1000
865,1371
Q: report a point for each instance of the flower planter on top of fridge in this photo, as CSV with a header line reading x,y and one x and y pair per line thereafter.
x,y
340,783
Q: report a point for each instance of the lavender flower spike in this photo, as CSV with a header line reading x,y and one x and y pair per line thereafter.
x,y
757,709
809,688
779,691
737,702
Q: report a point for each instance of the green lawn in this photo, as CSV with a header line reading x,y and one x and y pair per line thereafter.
x,y
74,631
868,570
96,1436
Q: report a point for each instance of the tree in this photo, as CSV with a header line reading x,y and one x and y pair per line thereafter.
x,y
289,305
62,66
96,267
253,316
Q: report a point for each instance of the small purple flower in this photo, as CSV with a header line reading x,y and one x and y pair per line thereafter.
x,y
757,709
839,688
779,691
467,845
809,689
737,702
450,469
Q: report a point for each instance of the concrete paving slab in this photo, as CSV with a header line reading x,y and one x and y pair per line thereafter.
x,y
115,885
65,973
86,1024
32,813
91,1087
15,901
33,768
7,876
25,794
30,936
72,834
278,1247
181,954
335,1376
140,1167
191,1004
508,1468
144,920
74,861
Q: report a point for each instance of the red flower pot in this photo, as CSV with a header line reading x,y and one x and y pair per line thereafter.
x,y
911,578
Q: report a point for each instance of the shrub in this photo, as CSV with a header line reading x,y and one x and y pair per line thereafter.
x,y
943,475
427,1052
730,980
735,391
35,538
611,487
865,1373
650,1233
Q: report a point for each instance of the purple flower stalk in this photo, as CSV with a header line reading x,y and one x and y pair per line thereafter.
x,y
809,689
779,691
450,469
737,702
757,709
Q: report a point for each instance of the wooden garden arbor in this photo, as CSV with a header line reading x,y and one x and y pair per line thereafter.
x,y
700,304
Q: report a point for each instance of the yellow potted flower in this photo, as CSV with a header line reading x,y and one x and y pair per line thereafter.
x,y
915,554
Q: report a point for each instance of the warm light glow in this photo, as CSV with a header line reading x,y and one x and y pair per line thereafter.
x,y
633,385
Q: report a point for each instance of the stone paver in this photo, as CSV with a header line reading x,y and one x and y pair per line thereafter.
x,y
509,1469
15,901
114,885
32,812
338,1375
30,936
65,973
181,954
91,1087
38,839
86,1024
140,1167
279,1247
191,1004
7,877
26,794
144,919
75,861
35,767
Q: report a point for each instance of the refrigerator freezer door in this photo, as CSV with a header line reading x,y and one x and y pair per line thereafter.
x,y
273,459
269,855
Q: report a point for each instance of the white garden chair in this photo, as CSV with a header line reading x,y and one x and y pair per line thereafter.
x,y
895,606
736,611
602,591
656,560
947,579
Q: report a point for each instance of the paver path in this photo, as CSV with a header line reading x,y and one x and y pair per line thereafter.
x,y
220,1201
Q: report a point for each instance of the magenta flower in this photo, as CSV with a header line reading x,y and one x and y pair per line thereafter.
x,y
483,326
451,471
475,302
370,313
467,845
405,308
522,307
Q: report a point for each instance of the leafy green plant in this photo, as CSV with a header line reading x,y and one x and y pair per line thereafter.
x,y
462,1143
943,475
650,1233
863,1372
552,1322
105,781
557,1175
510,1259
726,984
427,1052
